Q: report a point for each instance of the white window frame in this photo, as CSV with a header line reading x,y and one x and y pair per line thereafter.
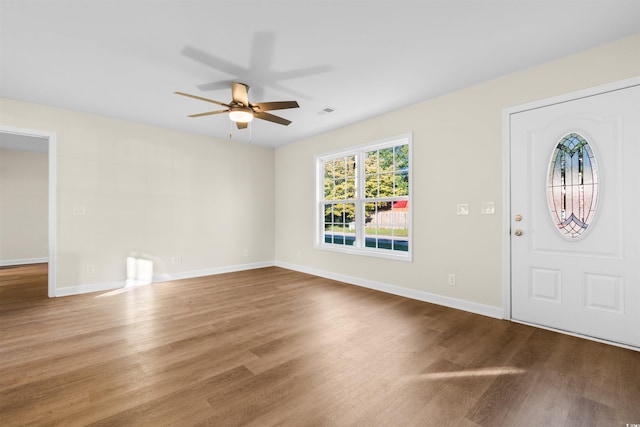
x,y
359,247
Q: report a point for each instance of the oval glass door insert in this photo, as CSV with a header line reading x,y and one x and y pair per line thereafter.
x,y
572,186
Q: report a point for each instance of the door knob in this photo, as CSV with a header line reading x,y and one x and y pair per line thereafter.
x,y
518,232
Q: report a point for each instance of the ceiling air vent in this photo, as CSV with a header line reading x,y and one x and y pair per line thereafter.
x,y
325,110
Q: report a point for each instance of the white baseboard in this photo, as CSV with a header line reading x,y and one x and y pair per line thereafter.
x,y
4,263
485,310
212,271
88,288
109,286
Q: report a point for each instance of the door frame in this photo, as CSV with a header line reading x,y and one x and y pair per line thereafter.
x,y
506,175
52,185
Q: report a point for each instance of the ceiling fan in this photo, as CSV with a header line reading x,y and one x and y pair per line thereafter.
x,y
241,111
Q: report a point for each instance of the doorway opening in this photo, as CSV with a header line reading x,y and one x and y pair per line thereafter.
x,y
32,140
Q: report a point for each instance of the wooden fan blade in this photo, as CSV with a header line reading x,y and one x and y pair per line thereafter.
x,y
278,105
239,93
271,118
202,99
209,113
242,125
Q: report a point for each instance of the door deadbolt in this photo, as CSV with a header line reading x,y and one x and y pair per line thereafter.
x,y
518,217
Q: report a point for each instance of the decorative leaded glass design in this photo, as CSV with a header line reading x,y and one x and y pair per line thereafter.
x,y
572,186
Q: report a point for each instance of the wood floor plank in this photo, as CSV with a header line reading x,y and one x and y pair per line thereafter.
x,y
276,347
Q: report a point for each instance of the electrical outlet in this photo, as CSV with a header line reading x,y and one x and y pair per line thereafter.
x,y
176,260
246,252
451,280
90,268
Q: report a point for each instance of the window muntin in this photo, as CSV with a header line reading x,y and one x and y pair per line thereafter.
x,y
364,201
572,186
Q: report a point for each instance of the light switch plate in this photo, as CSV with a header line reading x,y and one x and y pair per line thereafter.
x,y
462,209
488,208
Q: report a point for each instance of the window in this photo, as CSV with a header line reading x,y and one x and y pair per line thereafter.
x,y
572,186
364,199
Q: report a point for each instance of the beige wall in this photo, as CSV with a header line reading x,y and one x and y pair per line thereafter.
x,y
151,192
23,206
457,158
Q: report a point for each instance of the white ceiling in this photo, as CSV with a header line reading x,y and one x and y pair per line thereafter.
x,y
124,59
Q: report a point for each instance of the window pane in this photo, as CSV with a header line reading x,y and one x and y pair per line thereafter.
x,y
329,180
350,187
329,189
385,186
351,166
385,243
339,214
371,186
386,160
340,167
370,209
341,190
400,245
371,162
572,186
328,169
400,230
402,157
328,213
401,184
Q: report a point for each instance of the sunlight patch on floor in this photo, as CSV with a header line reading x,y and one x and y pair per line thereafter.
x,y
483,372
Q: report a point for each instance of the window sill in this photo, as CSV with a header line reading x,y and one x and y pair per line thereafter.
x,y
369,252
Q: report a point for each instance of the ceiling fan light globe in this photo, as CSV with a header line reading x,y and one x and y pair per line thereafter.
x,y
240,116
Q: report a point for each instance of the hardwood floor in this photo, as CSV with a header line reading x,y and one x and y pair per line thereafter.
x,y
275,347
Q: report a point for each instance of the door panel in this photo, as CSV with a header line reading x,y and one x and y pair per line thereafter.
x,y
589,284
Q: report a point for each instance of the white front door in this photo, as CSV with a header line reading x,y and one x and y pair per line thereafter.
x,y
575,216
